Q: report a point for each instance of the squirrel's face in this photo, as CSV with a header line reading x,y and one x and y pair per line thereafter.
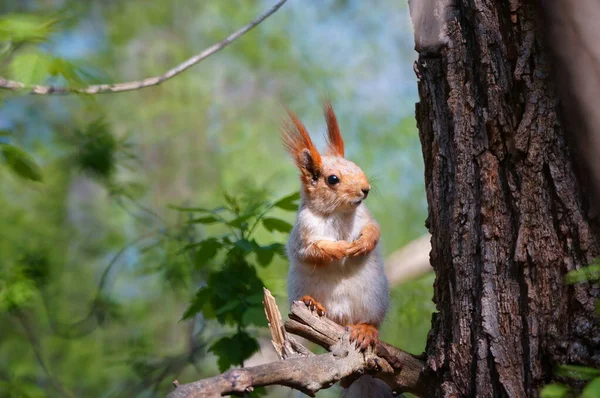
x,y
339,186
330,183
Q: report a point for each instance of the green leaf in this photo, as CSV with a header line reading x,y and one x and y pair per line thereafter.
x,y
288,202
264,254
592,390
578,372
25,27
245,245
227,308
275,224
234,350
197,304
31,67
21,163
235,282
238,222
255,299
196,209
264,257
254,315
554,391
207,250
204,220
16,290
96,150
589,273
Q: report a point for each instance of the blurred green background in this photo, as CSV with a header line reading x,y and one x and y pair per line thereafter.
x,y
97,267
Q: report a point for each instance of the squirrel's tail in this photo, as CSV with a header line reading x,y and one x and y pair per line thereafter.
x,y
367,387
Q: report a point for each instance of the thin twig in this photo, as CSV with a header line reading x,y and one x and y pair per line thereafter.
x,y
147,82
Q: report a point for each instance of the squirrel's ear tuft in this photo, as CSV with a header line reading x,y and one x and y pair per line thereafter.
x,y
334,137
299,145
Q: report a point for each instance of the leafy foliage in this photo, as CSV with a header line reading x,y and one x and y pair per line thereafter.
x,y
20,162
233,291
20,28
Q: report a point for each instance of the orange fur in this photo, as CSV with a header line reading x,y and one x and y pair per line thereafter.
x,y
366,242
296,139
334,137
314,305
327,251
364,334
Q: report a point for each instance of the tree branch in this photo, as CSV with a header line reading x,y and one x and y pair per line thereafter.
x,y
409,262
309,373
147,82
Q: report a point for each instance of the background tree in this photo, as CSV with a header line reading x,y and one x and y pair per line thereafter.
x,y
509,211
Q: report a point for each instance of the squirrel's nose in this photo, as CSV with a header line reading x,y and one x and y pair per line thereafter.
x,y
365,191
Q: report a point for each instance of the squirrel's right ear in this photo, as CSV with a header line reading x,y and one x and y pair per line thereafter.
x,y
299,145
334,137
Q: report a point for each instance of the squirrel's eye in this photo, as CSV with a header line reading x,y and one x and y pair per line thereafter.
x,y
333,179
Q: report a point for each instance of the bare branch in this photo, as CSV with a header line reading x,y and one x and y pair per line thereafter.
x,y
409,262
138,84
285,345
401,371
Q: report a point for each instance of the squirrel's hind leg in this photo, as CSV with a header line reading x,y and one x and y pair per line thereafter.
x,y
364,334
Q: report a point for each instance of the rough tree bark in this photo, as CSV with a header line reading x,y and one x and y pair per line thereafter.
x,y
508,213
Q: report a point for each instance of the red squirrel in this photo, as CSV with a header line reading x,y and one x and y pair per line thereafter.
x,y
336,268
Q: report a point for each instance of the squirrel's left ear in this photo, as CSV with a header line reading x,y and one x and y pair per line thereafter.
x,y
299,145
334,137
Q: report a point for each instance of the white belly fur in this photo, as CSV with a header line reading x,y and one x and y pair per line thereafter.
x,y
352,290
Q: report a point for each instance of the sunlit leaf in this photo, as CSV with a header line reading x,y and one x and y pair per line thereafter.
x,y
589,273
554,391
592,390
275,224
25,27
288,202
20,162
31,67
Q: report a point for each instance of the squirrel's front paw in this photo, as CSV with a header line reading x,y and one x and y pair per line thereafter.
x,y
314,305
364,334
334,250
359,248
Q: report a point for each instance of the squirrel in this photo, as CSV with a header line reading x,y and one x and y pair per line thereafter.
x,y
336,267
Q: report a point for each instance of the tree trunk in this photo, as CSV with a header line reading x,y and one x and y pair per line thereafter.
x,y
507,212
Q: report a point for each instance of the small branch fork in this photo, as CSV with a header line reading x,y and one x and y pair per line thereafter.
x,y
147,82
302,370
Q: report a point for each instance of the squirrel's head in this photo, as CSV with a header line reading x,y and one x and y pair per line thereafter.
x,y
330,183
